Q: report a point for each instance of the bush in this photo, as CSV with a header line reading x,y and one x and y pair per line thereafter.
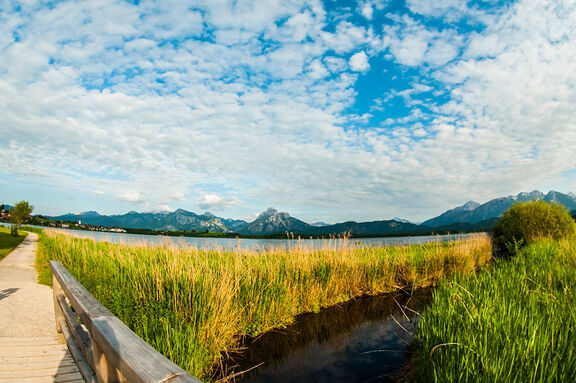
x,y
526,221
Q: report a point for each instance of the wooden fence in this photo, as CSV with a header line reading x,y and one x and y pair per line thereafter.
x,y
104,348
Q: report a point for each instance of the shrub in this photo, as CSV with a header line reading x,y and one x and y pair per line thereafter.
x,y
524,222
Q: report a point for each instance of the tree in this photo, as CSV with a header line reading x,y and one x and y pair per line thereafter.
x,y
524,222
18,214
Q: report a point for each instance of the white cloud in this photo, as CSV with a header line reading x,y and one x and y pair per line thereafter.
x,y
410,45
448,9
259,107
165,208
441,52
216,202
131,197
318,70
359,62
335,64
367,10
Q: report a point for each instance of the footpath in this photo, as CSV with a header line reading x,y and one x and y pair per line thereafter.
x,y
29,348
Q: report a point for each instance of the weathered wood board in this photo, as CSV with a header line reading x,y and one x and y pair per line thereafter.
x,y
36,360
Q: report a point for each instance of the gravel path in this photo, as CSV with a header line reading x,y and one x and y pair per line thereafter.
x,y
26,308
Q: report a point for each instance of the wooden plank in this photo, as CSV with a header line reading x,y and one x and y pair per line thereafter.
x,y
44,379
56,293
69,377
86,306
28,352
6,350
34,359
30,346
82,339
31,339
137,361
50,371
83,366
34,366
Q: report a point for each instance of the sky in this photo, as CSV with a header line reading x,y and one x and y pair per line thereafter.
x,y
330,110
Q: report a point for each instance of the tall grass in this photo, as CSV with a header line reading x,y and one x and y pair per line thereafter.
x,y
513,322
192,304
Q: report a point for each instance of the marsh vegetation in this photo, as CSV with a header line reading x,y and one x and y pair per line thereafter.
x,y
512,322
193,304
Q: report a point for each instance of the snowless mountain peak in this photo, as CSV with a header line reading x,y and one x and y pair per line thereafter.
x,y
533,195
269,213
470,205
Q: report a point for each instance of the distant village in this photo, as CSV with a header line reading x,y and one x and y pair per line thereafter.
x,y
82,226
43,221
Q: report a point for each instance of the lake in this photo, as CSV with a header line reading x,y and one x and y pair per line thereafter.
x,y
254,244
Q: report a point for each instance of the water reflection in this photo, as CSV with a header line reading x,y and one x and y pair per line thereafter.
x,y
364,340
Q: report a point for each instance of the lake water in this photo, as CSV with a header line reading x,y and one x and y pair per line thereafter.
x,y
363,340
255,244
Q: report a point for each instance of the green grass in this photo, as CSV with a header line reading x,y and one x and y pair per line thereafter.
x,y
513,322
8,242
192,305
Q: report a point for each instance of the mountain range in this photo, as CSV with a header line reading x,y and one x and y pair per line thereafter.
x,y
472,212
471,216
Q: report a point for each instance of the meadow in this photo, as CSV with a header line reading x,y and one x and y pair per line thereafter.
x,y
512,322
193,305
8,242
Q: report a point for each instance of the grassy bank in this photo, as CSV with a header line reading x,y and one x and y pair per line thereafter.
x,y
513,322
8,242
193,304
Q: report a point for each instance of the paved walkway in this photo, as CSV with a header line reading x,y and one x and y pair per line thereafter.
x,y
29,348
26,308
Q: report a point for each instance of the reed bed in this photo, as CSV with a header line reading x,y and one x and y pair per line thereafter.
x,y
512,322
193,305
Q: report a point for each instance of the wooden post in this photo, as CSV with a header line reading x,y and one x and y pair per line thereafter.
x,y
106,371
57,291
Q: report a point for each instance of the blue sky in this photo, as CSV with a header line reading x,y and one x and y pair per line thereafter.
x,y
331,110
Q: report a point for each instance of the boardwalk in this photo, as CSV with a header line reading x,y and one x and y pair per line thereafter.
x,y
29,348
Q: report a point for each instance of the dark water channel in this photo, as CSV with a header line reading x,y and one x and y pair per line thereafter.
x,y
364,340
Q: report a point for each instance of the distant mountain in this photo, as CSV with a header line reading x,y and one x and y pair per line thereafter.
x,y
401,220
271,221
472,212
75,217
471,216
234,224
370,228
176,220
458,214
487,224
568,200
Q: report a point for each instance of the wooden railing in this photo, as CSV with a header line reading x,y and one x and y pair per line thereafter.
x,y
104,348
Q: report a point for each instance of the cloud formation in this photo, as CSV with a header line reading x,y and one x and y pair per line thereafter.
x,y
181,103
217,203
359,62
131,197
